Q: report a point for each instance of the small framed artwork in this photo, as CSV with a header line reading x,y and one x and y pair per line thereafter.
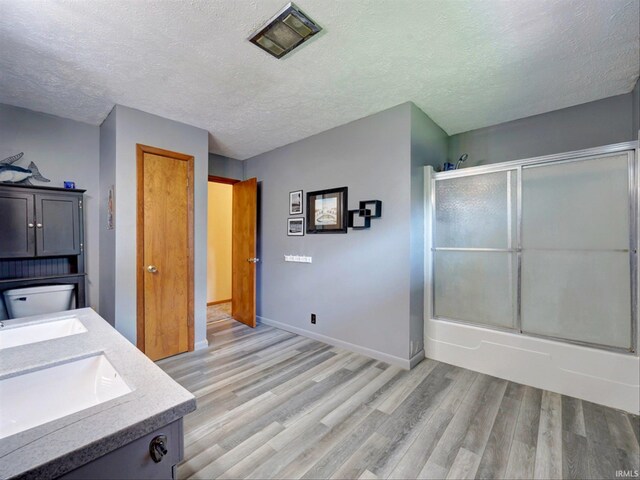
x,y
111,208
327,211
295,202
295,227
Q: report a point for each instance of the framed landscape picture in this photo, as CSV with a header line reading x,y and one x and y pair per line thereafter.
x,y
295,227
295,202
327,211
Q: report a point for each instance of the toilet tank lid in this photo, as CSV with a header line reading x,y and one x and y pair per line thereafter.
x,y
34,290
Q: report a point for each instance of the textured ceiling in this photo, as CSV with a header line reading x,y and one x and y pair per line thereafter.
x,y
466,64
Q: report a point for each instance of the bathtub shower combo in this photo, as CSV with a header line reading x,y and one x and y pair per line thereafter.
x,y
532,272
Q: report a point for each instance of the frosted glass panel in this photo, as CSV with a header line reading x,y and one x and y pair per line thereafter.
x,y
577,205
475,287
476,211
577,295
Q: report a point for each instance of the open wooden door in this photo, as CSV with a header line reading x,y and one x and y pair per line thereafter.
x,y
243,262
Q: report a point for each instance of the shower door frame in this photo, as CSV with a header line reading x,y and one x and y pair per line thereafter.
x,y
632,149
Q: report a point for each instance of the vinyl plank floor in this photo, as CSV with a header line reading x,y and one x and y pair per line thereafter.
x,y
549,450
494,460
272,404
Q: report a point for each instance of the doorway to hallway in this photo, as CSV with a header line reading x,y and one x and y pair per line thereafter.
x,y
219,244
231,249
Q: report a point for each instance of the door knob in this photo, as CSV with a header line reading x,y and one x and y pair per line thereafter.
x,y
30,225
152,269
253,260
39,225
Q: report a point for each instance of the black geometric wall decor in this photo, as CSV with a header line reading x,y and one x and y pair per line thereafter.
x,y
374,205
359,219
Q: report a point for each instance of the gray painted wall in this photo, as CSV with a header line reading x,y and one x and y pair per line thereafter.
x,y
133,127
429,144
220,166
592,124
62,149
107,237
359,283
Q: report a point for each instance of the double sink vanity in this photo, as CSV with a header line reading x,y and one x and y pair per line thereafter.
x,y
78,400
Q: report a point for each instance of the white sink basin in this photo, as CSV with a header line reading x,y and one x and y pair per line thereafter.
x,y
38,332
38,397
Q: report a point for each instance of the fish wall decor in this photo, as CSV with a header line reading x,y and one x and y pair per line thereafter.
x,y
10,173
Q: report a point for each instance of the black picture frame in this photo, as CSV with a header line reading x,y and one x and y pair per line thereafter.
x,y
294,232
296,206
327,211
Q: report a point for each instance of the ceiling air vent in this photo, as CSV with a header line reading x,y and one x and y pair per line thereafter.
x,y
287,30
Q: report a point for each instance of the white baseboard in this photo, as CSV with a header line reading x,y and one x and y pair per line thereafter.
x,y
201,344
599,376
384,357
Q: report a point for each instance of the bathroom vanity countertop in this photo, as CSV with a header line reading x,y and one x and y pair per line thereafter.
x,y
57,447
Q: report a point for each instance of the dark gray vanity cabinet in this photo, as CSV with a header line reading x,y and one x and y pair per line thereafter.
x,y
135,459
57,219
41,237
39,224
17,236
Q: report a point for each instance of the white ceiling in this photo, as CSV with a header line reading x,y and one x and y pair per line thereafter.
x,y
467,64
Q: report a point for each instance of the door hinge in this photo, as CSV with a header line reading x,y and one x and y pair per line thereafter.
x,y
80,202
82,247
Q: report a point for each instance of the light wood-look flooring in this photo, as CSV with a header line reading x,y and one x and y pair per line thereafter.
x,y
272,404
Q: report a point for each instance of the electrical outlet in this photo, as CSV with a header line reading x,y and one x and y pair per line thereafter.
x,y
313,318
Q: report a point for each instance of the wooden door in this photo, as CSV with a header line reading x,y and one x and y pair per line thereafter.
x,y
243,262
57,225
165,252
17,225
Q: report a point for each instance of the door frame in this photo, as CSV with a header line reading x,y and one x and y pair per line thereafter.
x,y
225,180
140,277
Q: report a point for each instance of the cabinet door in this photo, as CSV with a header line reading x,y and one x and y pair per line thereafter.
x,y
57,225
17,237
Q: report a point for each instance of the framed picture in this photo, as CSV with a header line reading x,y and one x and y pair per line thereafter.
x,y
327,211
295,227
111,208
295,202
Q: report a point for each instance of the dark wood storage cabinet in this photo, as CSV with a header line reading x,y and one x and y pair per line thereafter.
x,y
42,238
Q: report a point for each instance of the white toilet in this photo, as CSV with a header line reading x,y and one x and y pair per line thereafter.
x,y
24,302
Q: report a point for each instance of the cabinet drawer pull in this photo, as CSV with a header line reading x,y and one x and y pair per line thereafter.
x,y
158,448
39,225
30,225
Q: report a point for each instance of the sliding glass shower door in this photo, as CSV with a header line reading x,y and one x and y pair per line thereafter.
x,y
544,248
575,250
474,249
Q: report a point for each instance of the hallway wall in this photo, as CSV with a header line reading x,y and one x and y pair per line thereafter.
x,y
219,242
